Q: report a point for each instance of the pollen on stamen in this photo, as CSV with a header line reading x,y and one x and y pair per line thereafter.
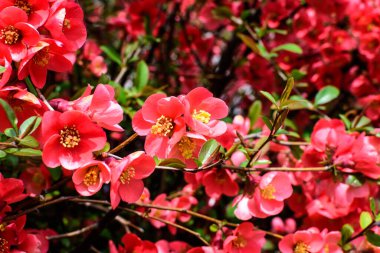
x,y
239,242
66,24
10,35
186,146
127,175
4,246
70,137
92,176
301,247
268,191
41,58
201,116
23,5
164,126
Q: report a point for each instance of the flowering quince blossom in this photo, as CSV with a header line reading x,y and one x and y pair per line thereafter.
x,y
65,24
11,190
101,107
46,55
173,247
160,120
89,178
202,112
69,139
132,243
127,175
267,198
36,179
302,241
244,240
15,33
37,10
218,182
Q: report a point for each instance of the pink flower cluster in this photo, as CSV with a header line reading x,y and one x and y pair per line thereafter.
x,y
39,36
176,127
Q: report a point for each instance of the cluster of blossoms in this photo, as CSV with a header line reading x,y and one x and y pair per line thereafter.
x,y
39,36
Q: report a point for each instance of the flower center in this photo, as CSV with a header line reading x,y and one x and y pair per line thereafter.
x,y
92,176
66,24
201,116
164,126
127,175
23,5
186,146
268,191
10,35
70,137
4,246
301,247
41,58
239,242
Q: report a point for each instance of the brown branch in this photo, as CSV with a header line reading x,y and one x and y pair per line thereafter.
x,y
124,143
73,233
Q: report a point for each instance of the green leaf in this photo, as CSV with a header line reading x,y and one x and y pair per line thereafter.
x,y
214,228
10,132
347,231
345,120
10,113
248,41
365,219
23,151
298,74
372,204
2,154
269,97
373,238
172,162
208,151
254,112
291,47
326,95
29,125
287,90
142,75
112,54
267,122
353,181
2,69
29,141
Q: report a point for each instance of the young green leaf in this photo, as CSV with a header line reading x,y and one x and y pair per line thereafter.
x,y
269,97
112,54
287,90
29,141
373,238
29,125
172,162
291,47
10,113
326,95
365,219
254,112
249,42
347,231
142,75
208,150
23,151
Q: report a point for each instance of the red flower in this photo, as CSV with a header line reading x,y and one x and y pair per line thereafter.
x,y
16,33
160,119
66,24
127,176
11,190
89,179
69,139
218,182
47,55
244,240
203,111
37,10
36,179
302,241
6,63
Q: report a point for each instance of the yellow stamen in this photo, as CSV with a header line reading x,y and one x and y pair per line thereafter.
x,y
239,242
41,58
23,5
10,35
70,137
186,146
127,175
268,191
201,116
92,176
301,247
4,246
164,126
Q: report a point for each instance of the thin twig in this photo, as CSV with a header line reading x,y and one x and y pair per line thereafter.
x,y
73,233
124,143
42,97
